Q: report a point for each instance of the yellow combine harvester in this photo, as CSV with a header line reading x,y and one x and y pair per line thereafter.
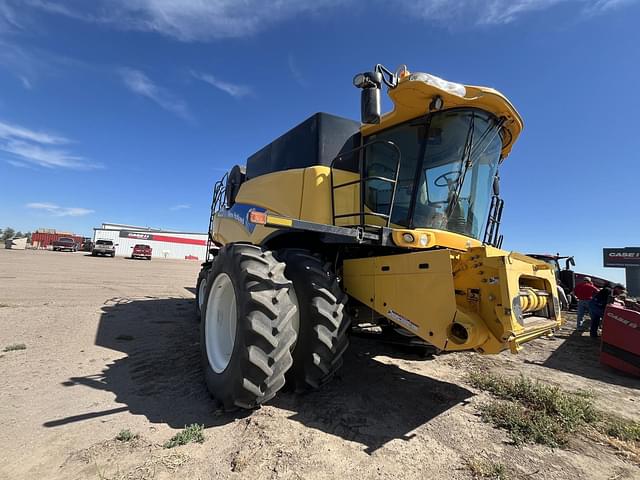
x,y
394,219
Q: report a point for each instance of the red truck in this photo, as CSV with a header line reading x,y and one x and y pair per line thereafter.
x,y
65,243
141,251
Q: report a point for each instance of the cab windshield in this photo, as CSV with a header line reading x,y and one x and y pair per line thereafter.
x,y
448,162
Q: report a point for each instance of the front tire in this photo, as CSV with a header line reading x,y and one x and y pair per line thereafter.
x,y
323,323
246,333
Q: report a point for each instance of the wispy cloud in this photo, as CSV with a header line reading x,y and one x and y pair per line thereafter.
x,y
139,83
200,20
18,164
8,130
234,89
58,211
29,64
601,6
492,12
8,18
296,73
20,63
188,20
24,146
182,206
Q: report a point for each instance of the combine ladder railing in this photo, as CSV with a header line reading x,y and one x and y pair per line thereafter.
x,y
362,214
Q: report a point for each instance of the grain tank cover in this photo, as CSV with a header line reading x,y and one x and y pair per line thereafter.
x,y
316,141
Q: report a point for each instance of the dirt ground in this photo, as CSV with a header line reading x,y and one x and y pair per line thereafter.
x,y
112,344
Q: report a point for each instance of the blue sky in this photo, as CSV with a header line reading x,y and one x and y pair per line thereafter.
x,y
129,110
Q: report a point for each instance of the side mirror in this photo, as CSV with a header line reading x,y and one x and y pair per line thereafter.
x,y
370,105
370,109
496,185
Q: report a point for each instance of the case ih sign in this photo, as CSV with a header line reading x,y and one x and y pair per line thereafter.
x,y
160,237
621,257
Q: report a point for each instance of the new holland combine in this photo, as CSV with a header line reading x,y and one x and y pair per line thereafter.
x,y
394,220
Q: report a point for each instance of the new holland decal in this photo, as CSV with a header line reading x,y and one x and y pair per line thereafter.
x,y
240,213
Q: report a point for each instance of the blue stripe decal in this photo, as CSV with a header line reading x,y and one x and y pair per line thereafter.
x,y
240,213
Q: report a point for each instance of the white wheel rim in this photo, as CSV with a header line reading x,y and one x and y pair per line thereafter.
x,y
201,290
295,320
220,323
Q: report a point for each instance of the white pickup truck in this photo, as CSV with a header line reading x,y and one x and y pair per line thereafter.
x,y
104,247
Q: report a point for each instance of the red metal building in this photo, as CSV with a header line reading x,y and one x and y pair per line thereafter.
x,y
44,238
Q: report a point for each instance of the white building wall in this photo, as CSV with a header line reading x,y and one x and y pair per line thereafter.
x,y
160,249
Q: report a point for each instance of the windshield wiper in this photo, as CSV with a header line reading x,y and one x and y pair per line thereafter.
x,y
468,154
465,163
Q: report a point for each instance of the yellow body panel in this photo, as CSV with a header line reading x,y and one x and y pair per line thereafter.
x,y
431,293
279,192
316,199
396,287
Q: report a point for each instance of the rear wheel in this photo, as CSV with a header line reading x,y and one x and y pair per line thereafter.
x,y
323,323
201,288
246,332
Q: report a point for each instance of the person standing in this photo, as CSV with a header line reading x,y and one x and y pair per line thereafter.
x,y
599,302
584,292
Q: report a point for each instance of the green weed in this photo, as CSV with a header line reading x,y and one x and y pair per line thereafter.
x,y
192,433
126,436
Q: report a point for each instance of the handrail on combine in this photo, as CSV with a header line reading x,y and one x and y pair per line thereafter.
x,y
218,202
492,231
362,181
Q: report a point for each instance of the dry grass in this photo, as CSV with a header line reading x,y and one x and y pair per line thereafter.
x,y
15,346
539,413
484,469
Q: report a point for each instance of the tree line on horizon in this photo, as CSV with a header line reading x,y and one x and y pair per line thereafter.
x,y
9,232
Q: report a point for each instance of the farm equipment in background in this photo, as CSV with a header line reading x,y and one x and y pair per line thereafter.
x,y
87,244
620,346
392,221
565,277
597,281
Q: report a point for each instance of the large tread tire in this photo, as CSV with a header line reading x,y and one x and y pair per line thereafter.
x,y
323,322
201,289
261,354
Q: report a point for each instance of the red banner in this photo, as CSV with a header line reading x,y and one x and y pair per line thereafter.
x,y
161,238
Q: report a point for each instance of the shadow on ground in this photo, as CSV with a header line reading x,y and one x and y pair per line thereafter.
x,y
372,402
579,354
369,402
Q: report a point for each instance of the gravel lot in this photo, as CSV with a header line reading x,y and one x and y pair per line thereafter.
x,y
112,344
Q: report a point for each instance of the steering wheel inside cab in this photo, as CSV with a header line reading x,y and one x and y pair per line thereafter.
x,y
447,179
